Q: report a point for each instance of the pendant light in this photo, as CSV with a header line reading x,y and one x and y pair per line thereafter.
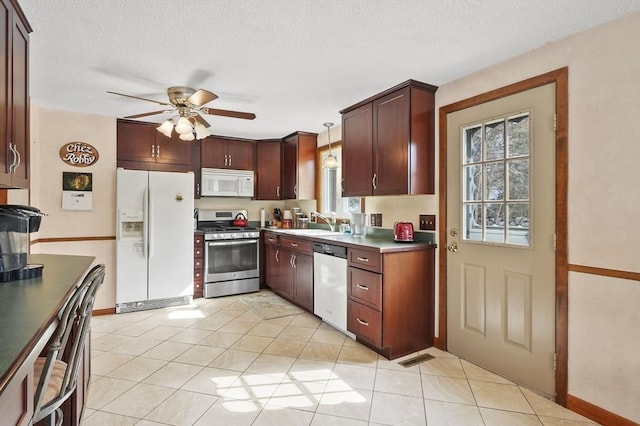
x,y
330,162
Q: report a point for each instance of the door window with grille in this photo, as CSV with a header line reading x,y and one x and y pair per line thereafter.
x,y
496,201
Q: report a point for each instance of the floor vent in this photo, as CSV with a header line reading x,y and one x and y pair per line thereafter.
x,y
416,360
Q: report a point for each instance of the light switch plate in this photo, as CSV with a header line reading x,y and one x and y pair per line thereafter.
x,y
376,219
427,222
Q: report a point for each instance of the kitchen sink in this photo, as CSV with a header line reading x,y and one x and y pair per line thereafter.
x,y
309,232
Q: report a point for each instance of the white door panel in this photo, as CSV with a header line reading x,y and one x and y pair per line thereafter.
x,y
170,234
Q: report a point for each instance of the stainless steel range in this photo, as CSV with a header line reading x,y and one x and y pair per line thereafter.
x,y
231,260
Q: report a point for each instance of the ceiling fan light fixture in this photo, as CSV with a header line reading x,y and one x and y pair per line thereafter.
x,y
201,131
187,137
166,128
183,126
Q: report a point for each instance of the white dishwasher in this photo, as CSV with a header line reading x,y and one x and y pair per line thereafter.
x,y
330,285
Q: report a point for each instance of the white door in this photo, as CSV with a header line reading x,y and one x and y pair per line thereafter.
x,y
170,234
501,225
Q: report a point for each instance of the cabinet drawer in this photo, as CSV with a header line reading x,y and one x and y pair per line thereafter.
x,y
365,287
198,240
302,246
364,322
271,239
198,251
369,260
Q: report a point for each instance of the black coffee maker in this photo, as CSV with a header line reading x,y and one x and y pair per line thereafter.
x,y
16,223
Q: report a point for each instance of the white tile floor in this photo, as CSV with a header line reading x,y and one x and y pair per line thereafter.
x,y
218,363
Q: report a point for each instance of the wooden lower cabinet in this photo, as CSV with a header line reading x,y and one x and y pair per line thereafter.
x,y
303,288
390,305
198,265
289,268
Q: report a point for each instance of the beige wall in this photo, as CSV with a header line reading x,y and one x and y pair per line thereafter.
x,y
50,130
604,202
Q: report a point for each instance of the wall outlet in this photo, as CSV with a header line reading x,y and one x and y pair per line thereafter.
x,y
376,219
427,222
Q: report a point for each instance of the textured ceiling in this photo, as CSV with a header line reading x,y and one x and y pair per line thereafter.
x,y
294,63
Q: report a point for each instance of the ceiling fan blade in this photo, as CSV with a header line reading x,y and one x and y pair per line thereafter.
x,y
201,97
227,113
138,97
201,120
144,114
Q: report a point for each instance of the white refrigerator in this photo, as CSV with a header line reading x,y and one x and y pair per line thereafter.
x,y
154,239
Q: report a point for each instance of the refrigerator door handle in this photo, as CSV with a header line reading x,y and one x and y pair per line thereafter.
x,y
145,230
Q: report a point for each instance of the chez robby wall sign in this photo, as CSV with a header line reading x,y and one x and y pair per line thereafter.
x,y
77,188
79,154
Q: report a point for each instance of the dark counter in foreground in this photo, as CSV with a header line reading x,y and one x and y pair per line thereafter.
x,y
28,310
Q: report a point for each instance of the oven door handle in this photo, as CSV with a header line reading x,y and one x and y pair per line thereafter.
x,y
231,242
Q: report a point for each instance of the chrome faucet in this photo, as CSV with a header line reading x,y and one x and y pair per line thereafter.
x,y
331,222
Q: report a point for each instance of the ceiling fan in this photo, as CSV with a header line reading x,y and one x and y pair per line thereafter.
x,y
187,105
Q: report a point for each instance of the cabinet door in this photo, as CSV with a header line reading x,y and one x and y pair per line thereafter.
x,y
299,166
19,113
268,170
240,155
136,142
289,168
357,154
221,153
272,265
172,150
6,157
391,143
303,290
286,274
214,153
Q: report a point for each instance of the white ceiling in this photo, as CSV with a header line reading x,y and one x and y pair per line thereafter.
x,y
294,63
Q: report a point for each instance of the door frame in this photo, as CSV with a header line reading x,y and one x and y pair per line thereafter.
x,y
561,78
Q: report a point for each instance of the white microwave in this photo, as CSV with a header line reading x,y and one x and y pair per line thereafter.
x,y
226,183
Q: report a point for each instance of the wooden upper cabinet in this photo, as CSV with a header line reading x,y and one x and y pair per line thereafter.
x,y
391,139
228,153
388,142
142,147
299,166
14,96
268,164
357,153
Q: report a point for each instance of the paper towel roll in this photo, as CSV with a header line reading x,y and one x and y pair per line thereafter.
x,y
262,218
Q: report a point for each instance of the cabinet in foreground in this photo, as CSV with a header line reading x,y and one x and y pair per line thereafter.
x,y
390,305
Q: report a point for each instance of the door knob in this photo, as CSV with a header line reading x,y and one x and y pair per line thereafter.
x,y
453,247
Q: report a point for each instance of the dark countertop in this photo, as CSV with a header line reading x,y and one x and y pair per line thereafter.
x,y
28,307
377,239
